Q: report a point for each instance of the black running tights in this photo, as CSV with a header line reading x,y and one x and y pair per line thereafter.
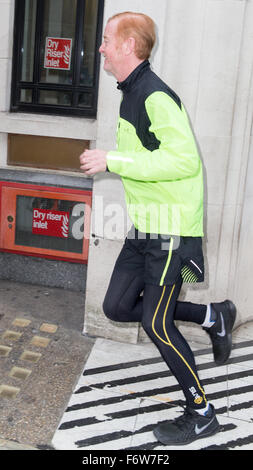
x,y
156,307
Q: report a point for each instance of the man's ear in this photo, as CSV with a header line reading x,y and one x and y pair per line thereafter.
x,y
129,45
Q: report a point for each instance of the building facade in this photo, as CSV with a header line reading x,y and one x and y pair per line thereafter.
x,y
51,109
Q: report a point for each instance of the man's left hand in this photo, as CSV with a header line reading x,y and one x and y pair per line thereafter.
x,y
93,161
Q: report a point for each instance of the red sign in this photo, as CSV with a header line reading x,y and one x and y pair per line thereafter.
x,y
58,53
51,223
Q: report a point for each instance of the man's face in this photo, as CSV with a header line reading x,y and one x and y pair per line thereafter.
x,y
111,48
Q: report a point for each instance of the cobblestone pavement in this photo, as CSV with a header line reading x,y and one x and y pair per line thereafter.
x,y
42,354
11,445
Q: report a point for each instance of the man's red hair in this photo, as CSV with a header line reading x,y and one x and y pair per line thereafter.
x,y
139,26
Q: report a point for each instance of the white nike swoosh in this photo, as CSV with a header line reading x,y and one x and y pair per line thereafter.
x,y
199,430
223,331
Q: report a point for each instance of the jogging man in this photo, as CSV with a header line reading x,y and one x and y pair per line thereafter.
x,y
161,171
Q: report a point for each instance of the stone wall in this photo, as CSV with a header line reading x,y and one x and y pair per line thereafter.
x,y
204,53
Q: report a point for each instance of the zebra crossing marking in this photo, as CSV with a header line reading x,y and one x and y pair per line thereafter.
x,y
118,400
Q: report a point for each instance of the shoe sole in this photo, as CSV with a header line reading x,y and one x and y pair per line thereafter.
x,y
195,438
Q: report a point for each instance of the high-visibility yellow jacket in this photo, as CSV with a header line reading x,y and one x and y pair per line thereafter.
x,y
157,158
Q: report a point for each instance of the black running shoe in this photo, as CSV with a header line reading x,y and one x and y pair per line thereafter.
x,y
187,428
221,332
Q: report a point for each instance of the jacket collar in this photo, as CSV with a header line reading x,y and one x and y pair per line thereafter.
x,y
126,85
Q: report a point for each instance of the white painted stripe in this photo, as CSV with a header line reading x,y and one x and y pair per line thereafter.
x,y
100,412
66,437
143,438
233,393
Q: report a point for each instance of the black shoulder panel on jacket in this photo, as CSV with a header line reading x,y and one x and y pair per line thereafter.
x,y
136,89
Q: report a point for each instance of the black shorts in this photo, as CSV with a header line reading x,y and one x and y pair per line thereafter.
x,y
162,259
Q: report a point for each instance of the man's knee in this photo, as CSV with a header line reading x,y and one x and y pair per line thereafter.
x,y
115,310
110,309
